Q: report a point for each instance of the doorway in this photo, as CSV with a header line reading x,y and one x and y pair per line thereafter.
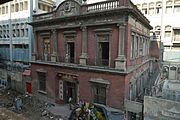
x,y
28,87
70,48
104,53
70,91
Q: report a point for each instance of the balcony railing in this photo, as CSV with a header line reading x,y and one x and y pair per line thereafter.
x,y
99,62
103,62
106,5
88,8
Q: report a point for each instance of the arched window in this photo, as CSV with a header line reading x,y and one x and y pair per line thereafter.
x,y
144,8
144,5
138,6
17,30
172,73
165,73
169,3
178,70
176,2
22,30
151,8
151,5
7,29
167,31
176,34
176,6
168,6
157,30
158,7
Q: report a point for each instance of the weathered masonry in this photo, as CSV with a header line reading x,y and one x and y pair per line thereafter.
x,y
94,52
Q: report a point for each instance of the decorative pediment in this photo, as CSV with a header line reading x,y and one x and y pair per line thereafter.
x,y
68,8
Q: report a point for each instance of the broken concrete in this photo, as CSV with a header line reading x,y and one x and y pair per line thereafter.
x,y
161,109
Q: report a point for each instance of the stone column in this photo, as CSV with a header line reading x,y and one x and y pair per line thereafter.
x,y
83,57
55,44
120,62
35,46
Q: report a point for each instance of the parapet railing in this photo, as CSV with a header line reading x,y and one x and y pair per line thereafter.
x,y
88,8
105,5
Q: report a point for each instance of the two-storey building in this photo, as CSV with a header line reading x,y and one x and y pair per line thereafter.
x,y
92,52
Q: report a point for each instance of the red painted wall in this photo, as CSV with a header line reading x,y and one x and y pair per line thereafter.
x,y
115,96
119,87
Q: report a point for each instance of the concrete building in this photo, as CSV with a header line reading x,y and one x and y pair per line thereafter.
x,y
171,71
92,52
16,37
168,93
164,16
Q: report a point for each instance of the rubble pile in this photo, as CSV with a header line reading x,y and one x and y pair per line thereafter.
x,y
27,105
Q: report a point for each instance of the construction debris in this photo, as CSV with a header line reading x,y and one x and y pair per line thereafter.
x,y
28,106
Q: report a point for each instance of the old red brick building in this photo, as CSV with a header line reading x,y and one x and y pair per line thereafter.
x,y
95,52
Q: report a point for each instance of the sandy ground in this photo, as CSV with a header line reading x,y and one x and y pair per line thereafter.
x,y
31,108
9,115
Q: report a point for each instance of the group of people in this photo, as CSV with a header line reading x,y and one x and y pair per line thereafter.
x,y
87,111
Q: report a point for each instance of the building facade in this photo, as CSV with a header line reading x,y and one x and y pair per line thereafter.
x,y
164,17
160,14
92,52
16,36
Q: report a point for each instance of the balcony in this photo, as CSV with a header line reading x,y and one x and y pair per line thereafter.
x,y
105,5
103,62
90,8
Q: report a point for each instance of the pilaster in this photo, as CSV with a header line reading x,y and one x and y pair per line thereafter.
x,y
83,57
55,42
34,54
120,61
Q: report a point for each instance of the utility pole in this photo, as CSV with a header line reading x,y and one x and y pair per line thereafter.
x,y
10,33
30,33
161,35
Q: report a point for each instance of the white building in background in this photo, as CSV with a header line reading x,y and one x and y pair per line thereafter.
x,y
19,14
16,36
164,16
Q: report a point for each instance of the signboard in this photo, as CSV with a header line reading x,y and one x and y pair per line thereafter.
x,y
60,89
133,106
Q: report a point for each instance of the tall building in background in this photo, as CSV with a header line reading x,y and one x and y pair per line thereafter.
x,y
20,15
165,28
164,16
16,36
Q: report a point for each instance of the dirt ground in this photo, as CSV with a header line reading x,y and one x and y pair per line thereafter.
x,y
30,108
9,115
